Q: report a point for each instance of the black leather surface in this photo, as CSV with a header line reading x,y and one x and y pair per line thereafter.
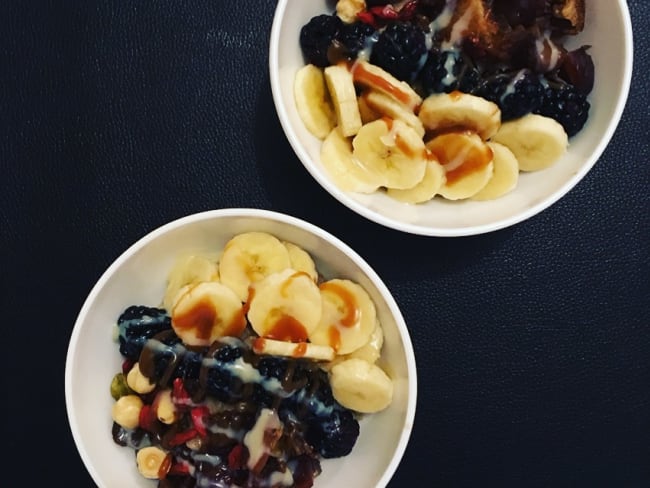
x,y
532,343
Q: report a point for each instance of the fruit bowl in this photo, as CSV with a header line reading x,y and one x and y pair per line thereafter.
x,y
538,183
144,275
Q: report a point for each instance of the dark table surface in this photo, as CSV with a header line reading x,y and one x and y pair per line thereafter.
x,y
532,343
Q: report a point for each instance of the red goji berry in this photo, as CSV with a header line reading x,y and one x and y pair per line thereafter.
x,y
182,437
236,457
198,419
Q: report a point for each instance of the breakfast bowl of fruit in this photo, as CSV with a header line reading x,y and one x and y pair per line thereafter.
x,y
449,117
240,347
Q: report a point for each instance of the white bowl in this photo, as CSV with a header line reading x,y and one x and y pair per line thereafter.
x,y
138,277
612,55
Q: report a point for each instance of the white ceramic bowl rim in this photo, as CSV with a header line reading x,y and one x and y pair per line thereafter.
x,y
396,224
248,213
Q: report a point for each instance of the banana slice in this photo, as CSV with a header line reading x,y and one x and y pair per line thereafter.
x,y
386,105
506,173
372,76
301,260
262,345
361,386
348,316
393,150
426,189
536,141
370,351
206,311
344,96
368,114
249,257
444,112
186,270
285,306
313,101
347,172
467,161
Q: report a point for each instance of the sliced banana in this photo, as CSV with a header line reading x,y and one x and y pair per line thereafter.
x,y
536,141
347,172
372,76
443,112
370,351
467,162
301,260
393,150
285,306
313,101
206,311
249,257
348,316
386,105
426,189
505,176
344,96
263,345
368,114
188,269
361,386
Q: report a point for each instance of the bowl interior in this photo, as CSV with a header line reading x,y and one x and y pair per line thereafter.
x,y
138,277
535,191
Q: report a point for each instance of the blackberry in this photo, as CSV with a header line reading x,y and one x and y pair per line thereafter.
x,y
446,71
220,384
351,40
137,324
189,366
228,353
292,373
215,375
335,435
516,94
564,103
401,50
317,35
272,366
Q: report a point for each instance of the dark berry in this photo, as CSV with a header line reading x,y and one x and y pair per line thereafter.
x,y
136,325
189,366
516,94
272,366
400,50
335,435
228,353
351,40
292,373
564,103
220,383
317,35
446,71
